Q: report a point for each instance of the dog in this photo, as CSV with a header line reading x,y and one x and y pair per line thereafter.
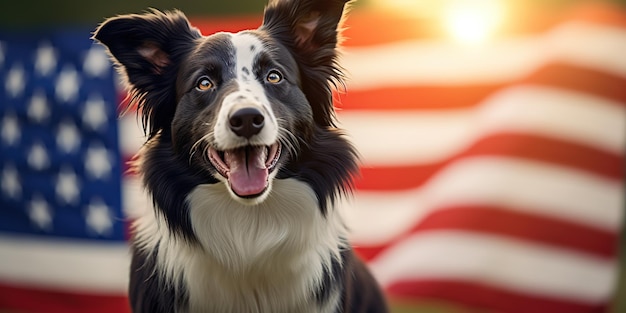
x,y
244,164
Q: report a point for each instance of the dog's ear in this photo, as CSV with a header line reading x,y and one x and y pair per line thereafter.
x,y
310,28
147,49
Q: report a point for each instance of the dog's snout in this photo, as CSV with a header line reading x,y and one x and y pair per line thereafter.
x,y
246,122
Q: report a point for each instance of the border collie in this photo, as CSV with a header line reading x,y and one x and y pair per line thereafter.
x,y
243,162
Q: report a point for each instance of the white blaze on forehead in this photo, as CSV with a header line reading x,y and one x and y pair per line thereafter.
x,y
250,93
247,48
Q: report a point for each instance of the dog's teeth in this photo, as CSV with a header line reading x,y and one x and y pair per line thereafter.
x,y
273,152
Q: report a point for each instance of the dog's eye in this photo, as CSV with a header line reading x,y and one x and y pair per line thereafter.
x,y
274,77
204,83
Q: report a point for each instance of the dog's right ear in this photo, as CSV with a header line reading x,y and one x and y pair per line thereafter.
x,y
147,49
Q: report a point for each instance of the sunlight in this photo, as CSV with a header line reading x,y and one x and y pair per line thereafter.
x,y
472,21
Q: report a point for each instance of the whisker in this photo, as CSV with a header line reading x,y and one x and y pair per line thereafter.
x,y
289,140
194,147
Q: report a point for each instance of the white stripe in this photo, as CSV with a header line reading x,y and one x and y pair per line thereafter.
x,y
71,265
131,136
602,49
529,187
445,63
421,62
421,137
532,269
135,200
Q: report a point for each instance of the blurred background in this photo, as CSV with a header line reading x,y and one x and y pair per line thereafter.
x,y
493,135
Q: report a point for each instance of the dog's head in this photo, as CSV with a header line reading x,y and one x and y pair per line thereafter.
x,y
237,105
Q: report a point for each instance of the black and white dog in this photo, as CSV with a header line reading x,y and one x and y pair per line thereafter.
x,y
244,164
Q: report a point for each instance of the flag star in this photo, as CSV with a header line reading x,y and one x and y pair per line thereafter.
x,y
67,187
15,80
45,59
38,157
98,162
67,84
40,213
38,110
99,218
96,62
67,137
10,131
11,185
95,115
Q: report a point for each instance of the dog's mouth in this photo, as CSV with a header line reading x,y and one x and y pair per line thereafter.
x,y
247,168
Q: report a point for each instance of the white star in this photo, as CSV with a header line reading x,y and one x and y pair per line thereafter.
x,y
45,60
40,213
98,162
67,186
68,137
96,62
67,84
38,157
11,185
38,107
99,218
10,129
95,115
15,80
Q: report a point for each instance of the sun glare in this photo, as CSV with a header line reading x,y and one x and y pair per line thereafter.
x,y
465,21
473,21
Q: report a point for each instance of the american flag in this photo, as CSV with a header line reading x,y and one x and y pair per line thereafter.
x,y
61,219
492,175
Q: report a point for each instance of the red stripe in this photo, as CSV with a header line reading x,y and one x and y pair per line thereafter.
x,y
418,97
481,296
209,26
35,300
500,221
368,252
517,224
524,146
599,12
370,27
580,79
421,97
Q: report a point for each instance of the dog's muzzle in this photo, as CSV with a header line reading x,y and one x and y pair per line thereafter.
x,y
247,168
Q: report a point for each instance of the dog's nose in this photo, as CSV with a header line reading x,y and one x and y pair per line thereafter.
x,y
246,122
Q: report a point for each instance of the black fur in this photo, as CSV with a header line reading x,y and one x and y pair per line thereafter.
x,y
153,83
161,56
314,51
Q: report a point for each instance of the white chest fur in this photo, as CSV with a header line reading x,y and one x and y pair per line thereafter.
x,y
268,257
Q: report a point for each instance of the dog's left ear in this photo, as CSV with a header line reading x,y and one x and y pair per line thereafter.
x,y
310,28
310,24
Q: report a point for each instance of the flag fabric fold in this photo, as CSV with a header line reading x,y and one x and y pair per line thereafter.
x,y
493,176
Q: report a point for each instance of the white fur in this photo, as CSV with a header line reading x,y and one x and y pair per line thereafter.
x,y
268,257
250,94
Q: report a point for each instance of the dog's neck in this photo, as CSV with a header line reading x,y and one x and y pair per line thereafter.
x,y
278,250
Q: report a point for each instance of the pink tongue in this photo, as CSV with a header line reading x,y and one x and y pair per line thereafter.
x,y
247,171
